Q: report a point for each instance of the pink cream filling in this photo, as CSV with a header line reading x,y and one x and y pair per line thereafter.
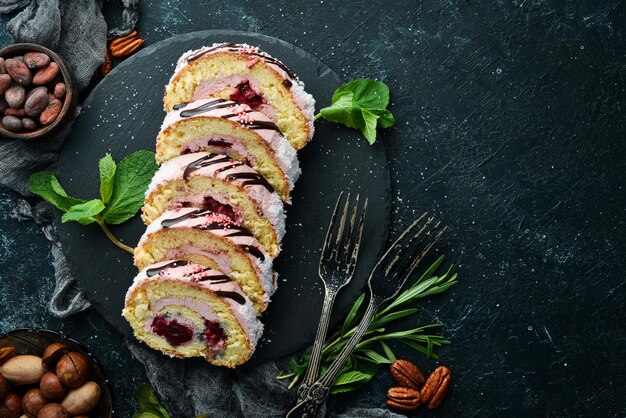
x,y
224,143
222,259
210,202
208,88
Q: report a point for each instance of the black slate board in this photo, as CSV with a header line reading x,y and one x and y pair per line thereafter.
x,y
123,114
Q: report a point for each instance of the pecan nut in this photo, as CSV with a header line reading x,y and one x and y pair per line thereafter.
x,y
407,374
405,399
436,387
107,65
126,45
6,353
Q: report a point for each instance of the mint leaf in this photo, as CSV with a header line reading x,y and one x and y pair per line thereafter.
x,y
360,104
149,404
46,186
132,177
83,213
352,314
370,94
107,175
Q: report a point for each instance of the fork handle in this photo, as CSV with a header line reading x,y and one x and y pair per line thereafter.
x,y
319,391
316,354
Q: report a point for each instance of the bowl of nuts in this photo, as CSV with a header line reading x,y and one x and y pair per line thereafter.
x,y
37,93
45,374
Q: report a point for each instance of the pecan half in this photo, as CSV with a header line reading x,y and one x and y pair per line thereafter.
x,y
6,353
405,399
436,387
107,65
126,45
407,374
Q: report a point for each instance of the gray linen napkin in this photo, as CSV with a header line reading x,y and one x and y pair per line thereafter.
x,y
189,388
76,30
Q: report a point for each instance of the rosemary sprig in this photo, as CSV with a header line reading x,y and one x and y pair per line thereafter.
x,y
365,361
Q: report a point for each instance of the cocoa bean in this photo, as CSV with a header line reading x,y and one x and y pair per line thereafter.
x,y
59,90
46,74
51,112
36,60
20,113
12,123
20,58
36,102
3,70
5,82
15,96
19,71
29,124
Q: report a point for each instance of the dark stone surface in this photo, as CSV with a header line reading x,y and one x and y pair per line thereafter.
x,y
510,126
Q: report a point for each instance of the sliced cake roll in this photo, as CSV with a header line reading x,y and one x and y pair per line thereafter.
x,y
213,240
224,127
187,310
220,184
242,73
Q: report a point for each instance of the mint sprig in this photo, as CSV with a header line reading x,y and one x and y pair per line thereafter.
x,y
373,350
360,104
122,189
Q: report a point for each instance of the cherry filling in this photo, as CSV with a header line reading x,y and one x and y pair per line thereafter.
x,y
173,331
214,335
245,94
215,206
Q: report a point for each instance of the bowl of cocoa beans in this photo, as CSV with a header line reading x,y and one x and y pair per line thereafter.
x,y
37,92
44,374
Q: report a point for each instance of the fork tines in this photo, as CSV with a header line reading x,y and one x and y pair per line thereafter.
x,y
411,247
343,239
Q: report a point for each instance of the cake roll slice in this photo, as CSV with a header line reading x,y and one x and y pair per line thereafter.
x,y
186,310
244,74
213,240
220,184
225,127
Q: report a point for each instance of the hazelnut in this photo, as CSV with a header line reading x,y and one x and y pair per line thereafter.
x,y
51,387
73,369
11,406
3,387
52,410
32,402
52,354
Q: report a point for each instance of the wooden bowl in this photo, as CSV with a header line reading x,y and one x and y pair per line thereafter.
x,y
69,105
34,341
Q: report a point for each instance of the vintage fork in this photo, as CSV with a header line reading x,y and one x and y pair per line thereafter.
x,y
387,278
336,268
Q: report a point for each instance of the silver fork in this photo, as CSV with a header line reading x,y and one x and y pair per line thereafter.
x,y
336,268
387,278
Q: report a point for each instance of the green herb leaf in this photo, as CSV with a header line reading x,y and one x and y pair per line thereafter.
x,y
388,352
84,213
107,175
375,357
299,367
132,177
46,186
360,104
149,404
352,314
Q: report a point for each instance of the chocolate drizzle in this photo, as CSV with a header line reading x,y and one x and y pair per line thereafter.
x,y
157,270
238,48
249,178
205,107
235,230
254,251
221,104
232,295
206,161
